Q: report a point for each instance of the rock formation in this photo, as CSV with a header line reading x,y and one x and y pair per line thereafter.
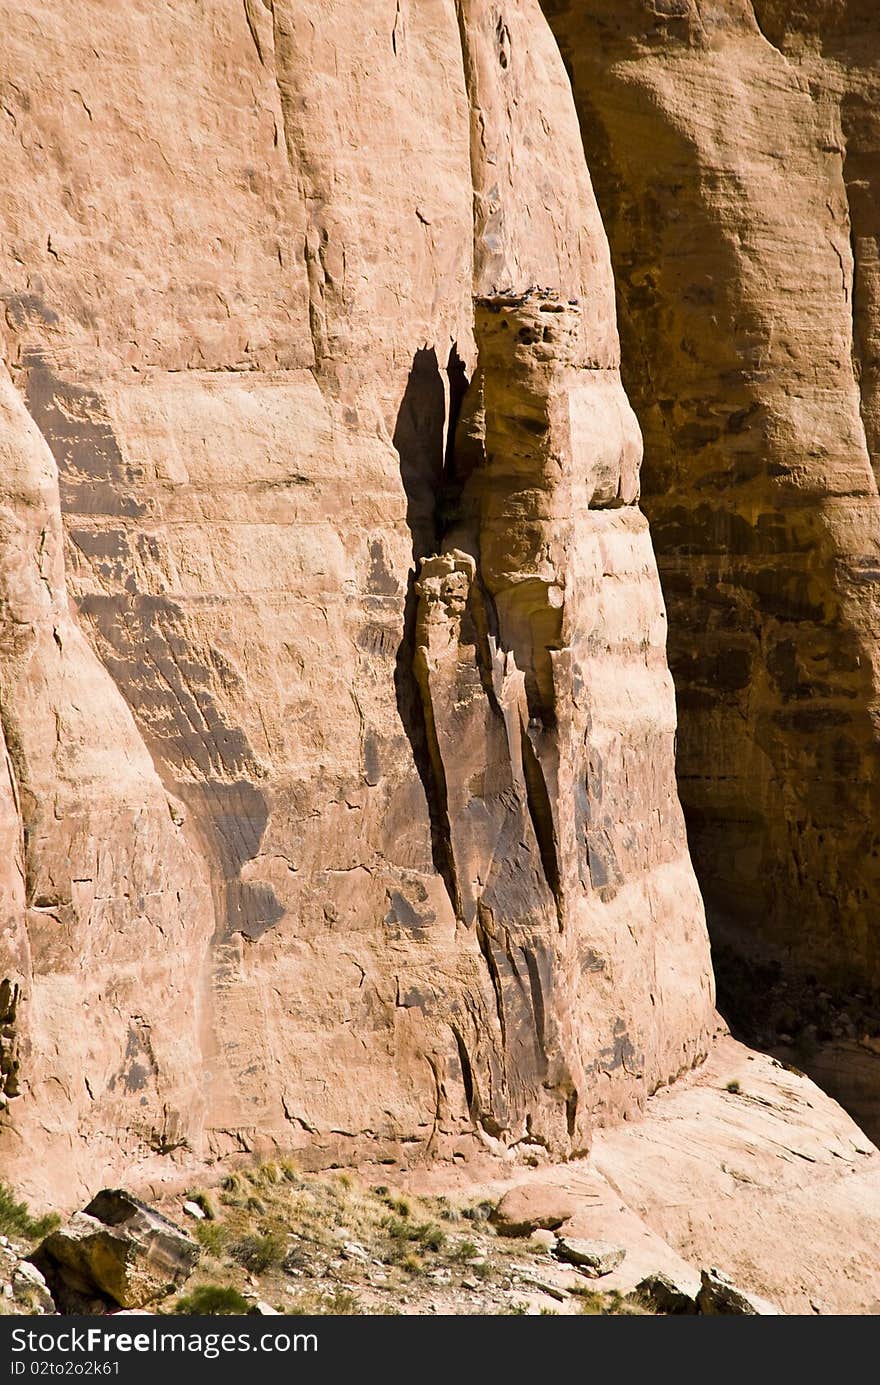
x,y
338,788
340,804
735,148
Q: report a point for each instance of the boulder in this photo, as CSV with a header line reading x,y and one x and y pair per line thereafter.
x,y
592,1258
664,1295
120,1248
525,1209
23,1286
719,1295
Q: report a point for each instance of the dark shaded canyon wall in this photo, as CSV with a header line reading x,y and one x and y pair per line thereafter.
x,y
734,148
310,844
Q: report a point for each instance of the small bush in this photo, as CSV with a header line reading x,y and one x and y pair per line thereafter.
x,y
260,1253
733,1087
212,1236
16,1219
592,1301
213,1299
399,1205
464,1251
430,1236
397,1228
427,1234
611,1303
234,1183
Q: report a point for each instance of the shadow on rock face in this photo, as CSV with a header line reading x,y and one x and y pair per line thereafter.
x,y
424,434
419,439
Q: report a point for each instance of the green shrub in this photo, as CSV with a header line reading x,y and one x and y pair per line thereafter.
x,y
212,1236
260,1253
16,1219
212,1298
464,1251
397,1228
431,1236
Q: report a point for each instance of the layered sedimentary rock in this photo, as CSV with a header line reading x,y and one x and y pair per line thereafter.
x,y
734,148
300,855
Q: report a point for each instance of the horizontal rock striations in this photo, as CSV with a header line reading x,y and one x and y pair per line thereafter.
x,y
339,799
734,149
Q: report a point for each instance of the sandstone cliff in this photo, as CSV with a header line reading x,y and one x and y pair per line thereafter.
x,y
735,148
339,795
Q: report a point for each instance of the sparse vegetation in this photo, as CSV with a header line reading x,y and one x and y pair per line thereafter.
x,y
259,1253
16,1218
205,1201
212,1298
478,1211
338,1303
325,1244
464,1251
733,1087
211,1236
611,1303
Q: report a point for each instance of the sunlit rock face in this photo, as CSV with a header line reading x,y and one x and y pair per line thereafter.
x,y
338,799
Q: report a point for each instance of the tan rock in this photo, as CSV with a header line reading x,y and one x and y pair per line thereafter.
x,y
129,1253
665,1295
228,443
531,1207
30,1290
777,1183
595,1259
719,1295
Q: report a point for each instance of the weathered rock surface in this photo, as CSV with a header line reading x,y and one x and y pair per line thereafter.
x,y
775,1182
735,149
297,856
719,1295
337,792
30,1290
531,1207
22,1284
121,1249
665,1295
595,1259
